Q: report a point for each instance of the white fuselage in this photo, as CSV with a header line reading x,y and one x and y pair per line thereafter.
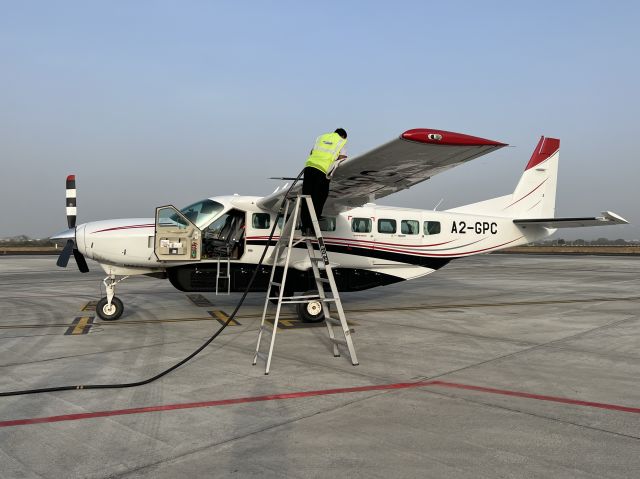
x,y
363,239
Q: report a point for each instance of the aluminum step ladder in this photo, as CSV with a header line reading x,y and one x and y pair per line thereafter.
x,y
283,248
223,274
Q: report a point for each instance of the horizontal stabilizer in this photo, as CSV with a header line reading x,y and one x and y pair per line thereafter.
x,y
607,218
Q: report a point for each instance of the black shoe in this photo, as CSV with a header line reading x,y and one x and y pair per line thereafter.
x,y
308,232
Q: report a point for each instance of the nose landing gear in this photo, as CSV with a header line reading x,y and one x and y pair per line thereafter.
x,y
110,307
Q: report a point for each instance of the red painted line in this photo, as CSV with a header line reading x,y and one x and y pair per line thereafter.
x,y
539,397
222,402
123,228
335,239
320,392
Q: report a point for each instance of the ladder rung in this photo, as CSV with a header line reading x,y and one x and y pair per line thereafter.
x,y
323,280
294,301
273,283
305,297
339,341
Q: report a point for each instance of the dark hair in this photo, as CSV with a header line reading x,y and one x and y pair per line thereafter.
x,y
341,132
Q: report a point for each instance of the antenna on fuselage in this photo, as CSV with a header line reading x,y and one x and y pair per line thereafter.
x,y
435,208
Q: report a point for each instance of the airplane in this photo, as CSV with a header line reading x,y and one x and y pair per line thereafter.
x,y
214,245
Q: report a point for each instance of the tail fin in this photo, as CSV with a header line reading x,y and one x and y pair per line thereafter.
x,y
535,194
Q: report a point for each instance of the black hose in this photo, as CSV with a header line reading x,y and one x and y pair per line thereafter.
x,y
193,354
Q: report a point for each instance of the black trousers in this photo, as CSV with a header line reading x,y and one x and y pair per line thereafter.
x,y
315,184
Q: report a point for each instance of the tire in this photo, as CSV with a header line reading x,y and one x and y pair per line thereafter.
x,y
311,311
116,309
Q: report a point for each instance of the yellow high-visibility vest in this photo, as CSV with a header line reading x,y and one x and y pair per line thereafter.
x,y
325,151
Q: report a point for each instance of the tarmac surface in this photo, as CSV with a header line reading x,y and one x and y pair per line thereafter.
x,y
494,366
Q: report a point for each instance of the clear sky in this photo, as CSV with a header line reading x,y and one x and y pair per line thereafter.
x,y
156,102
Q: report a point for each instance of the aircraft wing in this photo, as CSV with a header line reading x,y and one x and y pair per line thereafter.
x,y
413,157
607,218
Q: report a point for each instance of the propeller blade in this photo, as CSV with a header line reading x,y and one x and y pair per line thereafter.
x,y
80,261
71,201
63,259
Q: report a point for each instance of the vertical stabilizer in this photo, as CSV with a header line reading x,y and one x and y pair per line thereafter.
x,y
535,194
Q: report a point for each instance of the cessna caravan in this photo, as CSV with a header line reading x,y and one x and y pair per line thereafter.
x,y
214,245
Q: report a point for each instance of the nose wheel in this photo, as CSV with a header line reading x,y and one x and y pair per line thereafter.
x,y
109,312
110,308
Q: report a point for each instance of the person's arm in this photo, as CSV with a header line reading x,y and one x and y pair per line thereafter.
x,y
334,166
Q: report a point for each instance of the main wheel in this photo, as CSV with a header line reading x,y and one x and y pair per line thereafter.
x,y
107,313
310,312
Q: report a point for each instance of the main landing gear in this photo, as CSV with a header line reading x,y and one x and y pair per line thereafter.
x,y
310,312
110,307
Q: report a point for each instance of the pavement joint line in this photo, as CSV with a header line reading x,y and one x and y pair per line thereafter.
x,y
529,413
230,440
315,393
347,311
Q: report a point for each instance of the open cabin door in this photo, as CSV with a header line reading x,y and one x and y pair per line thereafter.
x,y
177,238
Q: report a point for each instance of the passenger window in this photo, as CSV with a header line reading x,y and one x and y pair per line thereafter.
x,y
327,223
281,222
409,227
431,227
386,226
261,221
361,225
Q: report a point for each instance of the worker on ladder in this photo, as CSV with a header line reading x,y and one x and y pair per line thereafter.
x,y
323,160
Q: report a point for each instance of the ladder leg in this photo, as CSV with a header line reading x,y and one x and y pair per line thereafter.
x,y
323,296
334,289
276,256
283,281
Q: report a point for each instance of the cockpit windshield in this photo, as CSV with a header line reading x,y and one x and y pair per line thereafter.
x,y
202,212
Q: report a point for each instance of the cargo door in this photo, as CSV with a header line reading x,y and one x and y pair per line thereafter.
x,y
177,238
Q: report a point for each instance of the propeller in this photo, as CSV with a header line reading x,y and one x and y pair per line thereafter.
x,y
70,234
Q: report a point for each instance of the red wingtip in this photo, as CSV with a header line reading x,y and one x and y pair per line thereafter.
x,y
71,178
544,149
441,137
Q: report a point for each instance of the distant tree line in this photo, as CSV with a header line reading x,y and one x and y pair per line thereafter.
x,y
582,242
23,240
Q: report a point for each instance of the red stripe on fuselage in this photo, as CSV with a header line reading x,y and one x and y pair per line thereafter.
x,y
350,240
123,228
375,247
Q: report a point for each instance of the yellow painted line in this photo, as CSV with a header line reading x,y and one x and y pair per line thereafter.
x,y
79,329
222,318
90,306
80,325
